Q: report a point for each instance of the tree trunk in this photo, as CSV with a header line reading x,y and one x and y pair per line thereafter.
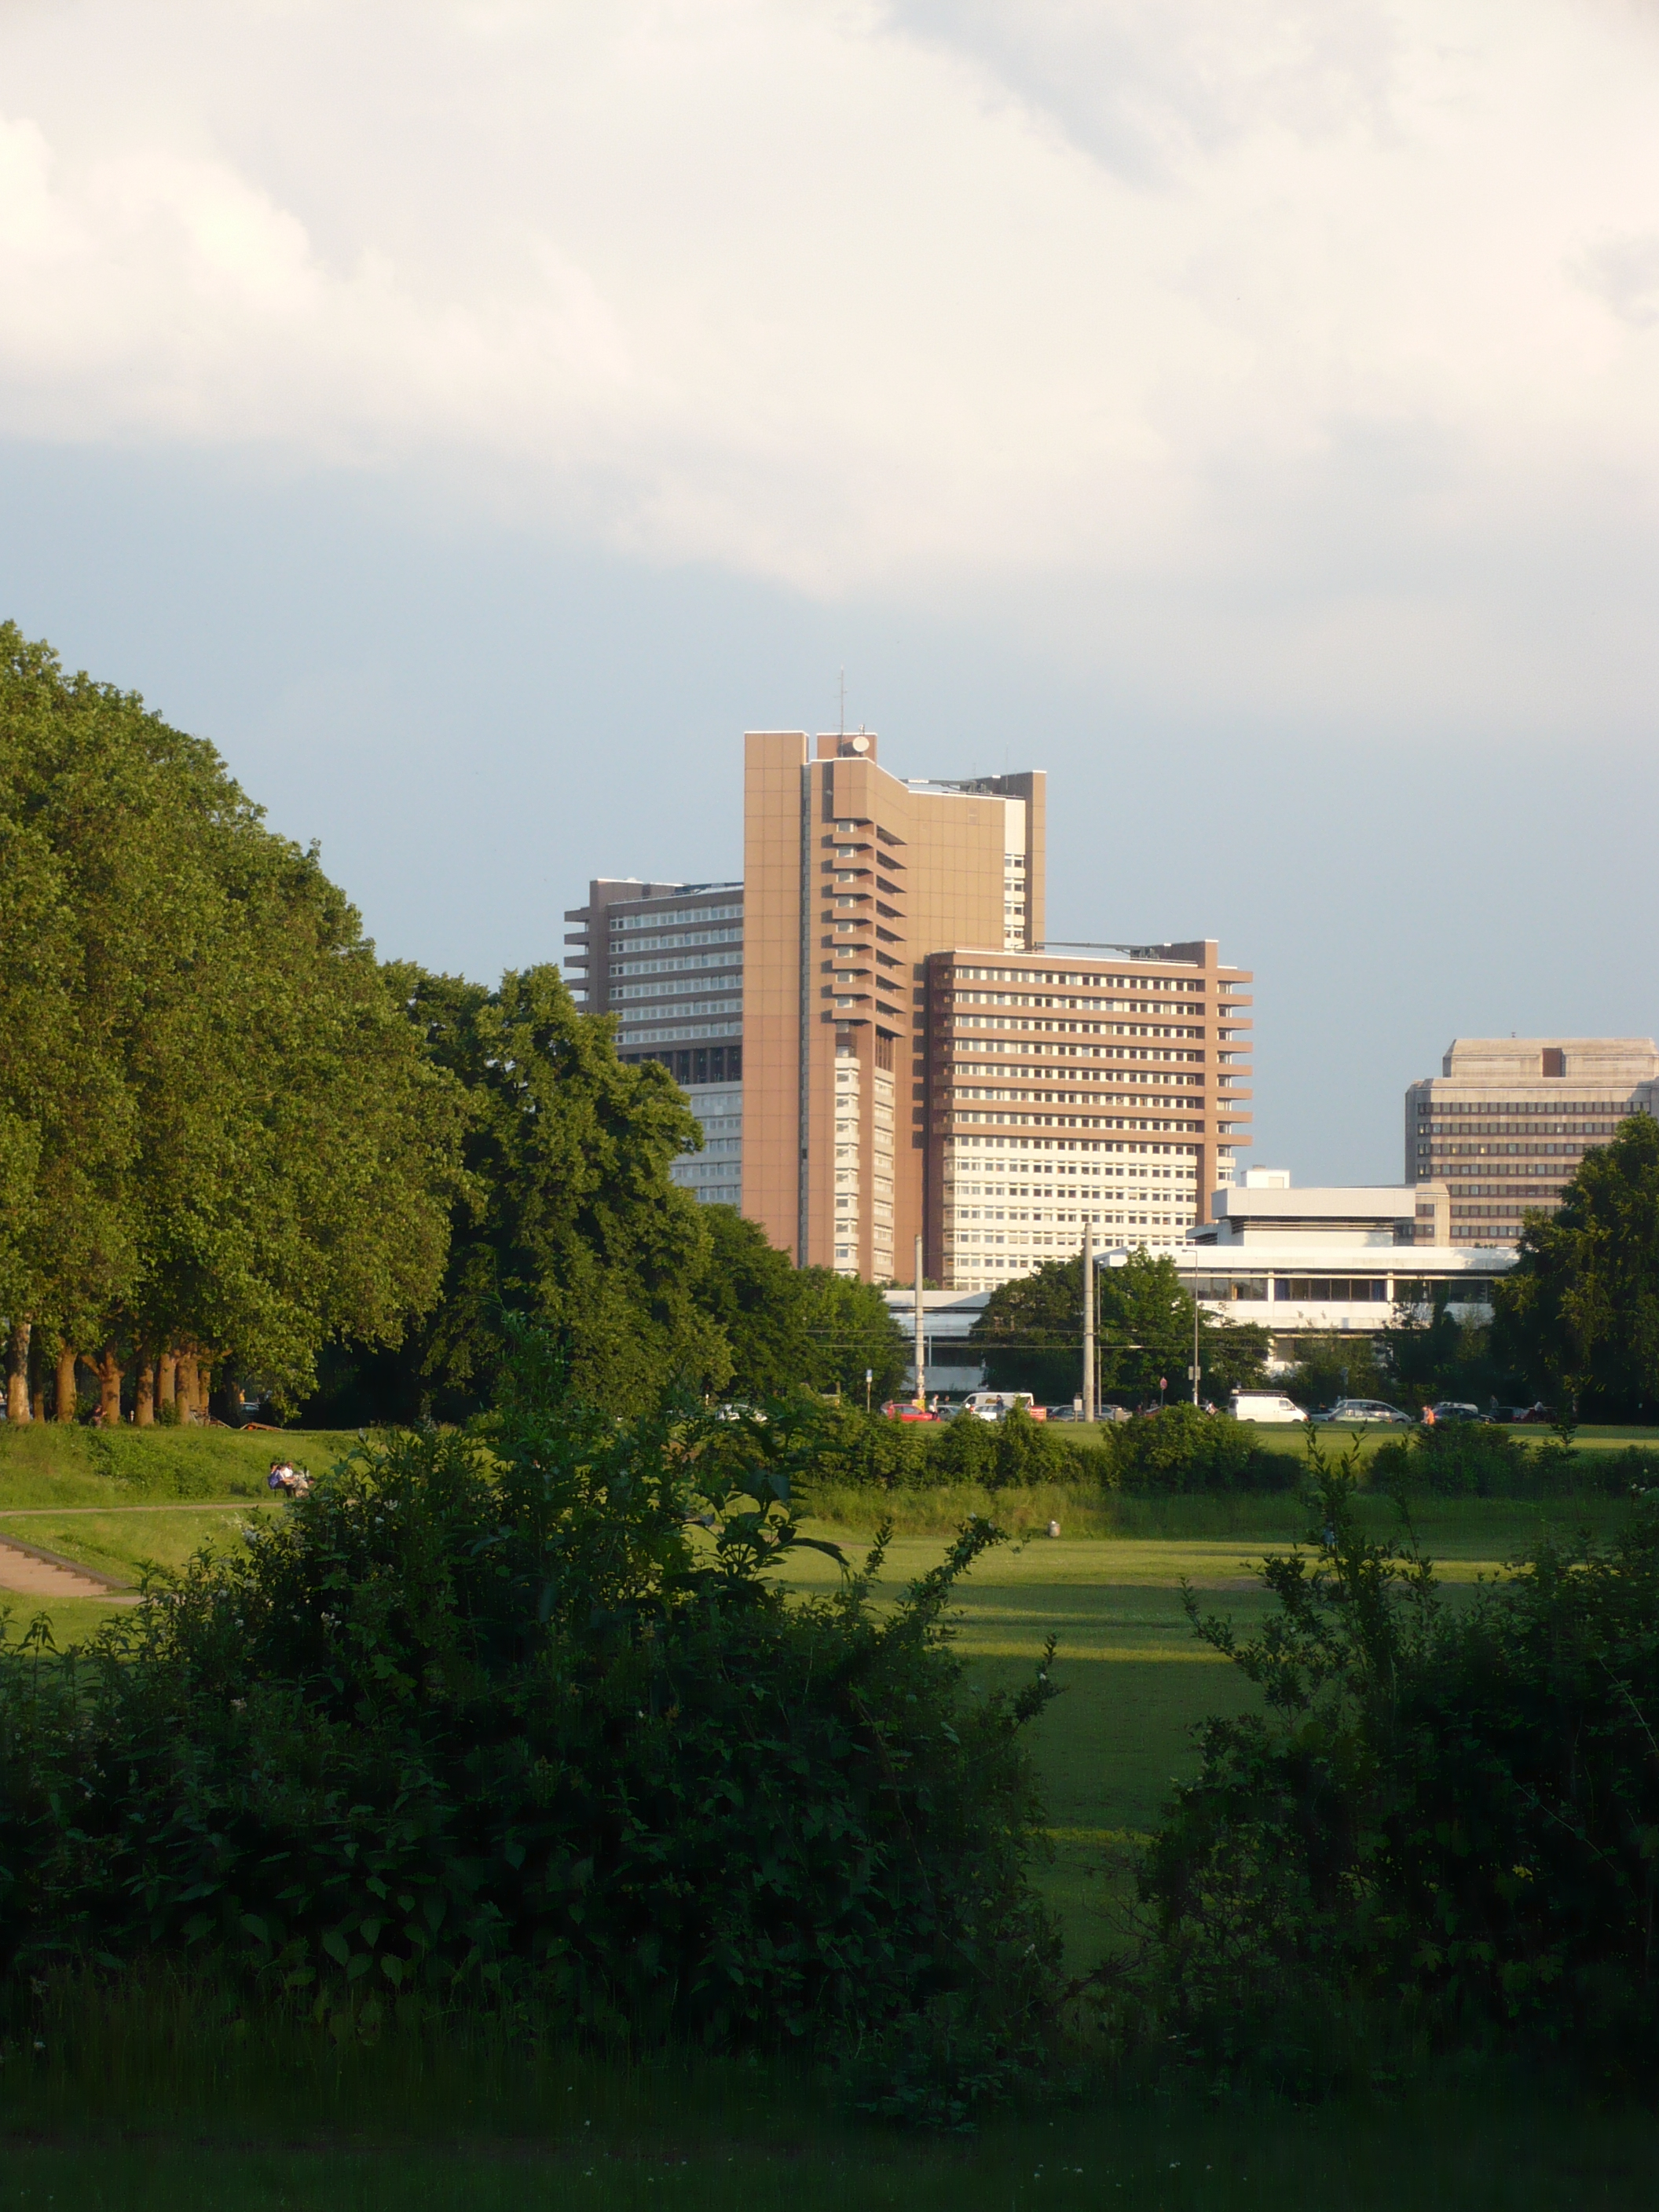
x,y
17,1371
167,1381
143,1395
190,1403
205,1392
66,1363
108,1366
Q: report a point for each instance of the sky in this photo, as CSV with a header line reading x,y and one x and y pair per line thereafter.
x,y
473,416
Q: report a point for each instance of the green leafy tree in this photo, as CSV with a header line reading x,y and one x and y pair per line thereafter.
x,y
1579,1312
1031,1333
753,1294
239,1150
570,1215
848,1327
1332,1367
1431,1831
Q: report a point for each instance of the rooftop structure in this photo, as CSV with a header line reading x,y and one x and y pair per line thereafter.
x,y
1319,1261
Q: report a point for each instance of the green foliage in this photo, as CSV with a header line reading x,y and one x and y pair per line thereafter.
x,y
1031,1333
1438,1834
215,1130
849,1327
1332,1367
751,1292
1182,1447
1467,1459
1580,1309
569,1218
1015,1452
1426,1358
493,1713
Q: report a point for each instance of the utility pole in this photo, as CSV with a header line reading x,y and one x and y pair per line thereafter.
x,y
921,1368
1194,1336
1089,1320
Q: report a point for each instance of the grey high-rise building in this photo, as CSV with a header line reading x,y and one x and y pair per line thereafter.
x,y
667,960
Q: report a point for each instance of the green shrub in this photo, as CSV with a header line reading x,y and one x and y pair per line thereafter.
x,y
1463,1459
1440,1833
842,1445
494,1714
851,1446
1182,1447
1470,1459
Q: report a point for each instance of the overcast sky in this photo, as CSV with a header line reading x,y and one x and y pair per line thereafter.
x,y
467,415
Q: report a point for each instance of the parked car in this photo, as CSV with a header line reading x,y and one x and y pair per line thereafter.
x,y
992,1405
906,1409
1268,1406
1452,1410
1357,1412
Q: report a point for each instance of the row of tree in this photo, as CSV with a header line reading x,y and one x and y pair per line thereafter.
x,y
234,1142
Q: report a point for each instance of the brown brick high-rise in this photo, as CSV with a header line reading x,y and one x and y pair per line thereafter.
x,y
851,877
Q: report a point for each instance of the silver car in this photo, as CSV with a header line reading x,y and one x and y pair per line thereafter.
x,y
1354,1412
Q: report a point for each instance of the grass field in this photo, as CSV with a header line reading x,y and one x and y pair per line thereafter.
x,y
125,2125
144,2124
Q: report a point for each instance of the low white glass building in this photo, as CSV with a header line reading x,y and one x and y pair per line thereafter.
x,y
1321,1261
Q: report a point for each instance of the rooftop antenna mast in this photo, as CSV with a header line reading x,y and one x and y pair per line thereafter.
x,y
843,702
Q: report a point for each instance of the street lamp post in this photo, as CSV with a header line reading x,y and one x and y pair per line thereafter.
x,y
921,1358
1089,1320
1194,1333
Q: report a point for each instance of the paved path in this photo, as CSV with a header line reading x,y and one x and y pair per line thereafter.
x,y
29,1572
176,1505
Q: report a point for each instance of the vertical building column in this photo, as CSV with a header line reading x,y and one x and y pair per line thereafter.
x,y
773,1044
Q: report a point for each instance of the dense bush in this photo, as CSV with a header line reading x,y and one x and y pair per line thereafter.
x,y
1439,1834
1466,1459
499,1714
845,1446
1182,1447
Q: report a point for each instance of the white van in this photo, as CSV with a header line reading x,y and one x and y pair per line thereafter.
x,y
1264,1406
992,1405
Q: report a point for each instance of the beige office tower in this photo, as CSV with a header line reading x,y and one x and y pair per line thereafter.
x,y
852,878
1071,1084
1507,1120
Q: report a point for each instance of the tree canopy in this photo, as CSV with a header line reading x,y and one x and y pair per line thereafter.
x,y
219,1137
569,1216
1580,1309
1031,1332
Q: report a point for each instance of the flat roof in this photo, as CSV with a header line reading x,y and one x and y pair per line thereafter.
x,y
1357,1202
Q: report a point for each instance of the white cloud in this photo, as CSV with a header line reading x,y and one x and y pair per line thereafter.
x,y
1334,329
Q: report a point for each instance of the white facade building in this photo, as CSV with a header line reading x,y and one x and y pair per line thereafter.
x,y
1320,1262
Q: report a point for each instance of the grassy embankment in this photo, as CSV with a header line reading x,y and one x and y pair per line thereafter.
x,y
120,1500
1134,1684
